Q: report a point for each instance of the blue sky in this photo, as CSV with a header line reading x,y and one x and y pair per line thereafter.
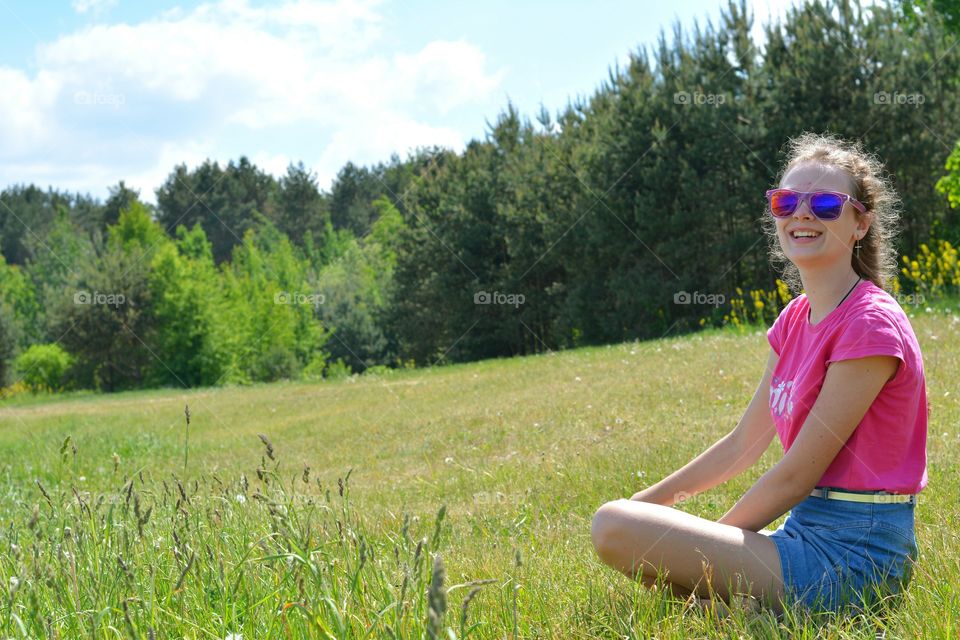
x,y
96,91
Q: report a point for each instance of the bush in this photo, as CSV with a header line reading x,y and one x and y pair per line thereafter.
x,y
277,363
337,370
378,370
43,367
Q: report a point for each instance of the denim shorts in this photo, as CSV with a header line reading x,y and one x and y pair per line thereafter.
x,y
833,552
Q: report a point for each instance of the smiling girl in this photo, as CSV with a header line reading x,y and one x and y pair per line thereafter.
x,y
843,389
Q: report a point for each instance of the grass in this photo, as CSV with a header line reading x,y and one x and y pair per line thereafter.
x,y
445,502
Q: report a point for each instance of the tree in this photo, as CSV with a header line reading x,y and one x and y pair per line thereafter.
x,y
103,316
300,207
226,202
121,198
271,310
9,339
188,333
357,289
53,262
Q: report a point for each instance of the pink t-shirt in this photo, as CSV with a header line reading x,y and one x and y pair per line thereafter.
x,y
887,450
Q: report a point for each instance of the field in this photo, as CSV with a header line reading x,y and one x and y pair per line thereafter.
x,y
373,500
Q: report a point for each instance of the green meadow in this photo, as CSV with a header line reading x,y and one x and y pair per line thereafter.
x,y
445,502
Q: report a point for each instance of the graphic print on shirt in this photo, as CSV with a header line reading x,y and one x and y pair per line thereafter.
x,y
781,396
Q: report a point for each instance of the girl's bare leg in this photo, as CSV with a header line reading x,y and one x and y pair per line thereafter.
x,y
699,555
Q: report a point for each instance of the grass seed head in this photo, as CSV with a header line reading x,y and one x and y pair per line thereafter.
x,y
266,442
437,599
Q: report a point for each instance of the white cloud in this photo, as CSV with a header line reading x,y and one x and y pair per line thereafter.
x,y
94,6
372,139
120,101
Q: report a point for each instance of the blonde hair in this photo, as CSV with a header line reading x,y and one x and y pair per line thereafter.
x,y
877,260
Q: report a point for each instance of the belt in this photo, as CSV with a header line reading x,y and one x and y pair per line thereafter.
x,y
879,496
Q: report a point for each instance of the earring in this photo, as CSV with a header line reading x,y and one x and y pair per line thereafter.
x,y
856,248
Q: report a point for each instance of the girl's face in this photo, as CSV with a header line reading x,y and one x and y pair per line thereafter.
x,y
834,241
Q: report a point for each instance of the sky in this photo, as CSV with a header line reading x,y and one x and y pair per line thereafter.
x,y
97,91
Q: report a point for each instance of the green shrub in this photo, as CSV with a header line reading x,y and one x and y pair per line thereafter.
x,y
43,367
337,370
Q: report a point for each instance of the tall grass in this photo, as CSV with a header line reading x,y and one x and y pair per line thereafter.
x,y
452,502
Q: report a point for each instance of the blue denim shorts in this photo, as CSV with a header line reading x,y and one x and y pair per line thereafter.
x,y
834,552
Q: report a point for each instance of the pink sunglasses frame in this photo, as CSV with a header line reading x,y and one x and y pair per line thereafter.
x,y
804,196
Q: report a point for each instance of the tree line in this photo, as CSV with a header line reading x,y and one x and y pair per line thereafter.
x,y
570,229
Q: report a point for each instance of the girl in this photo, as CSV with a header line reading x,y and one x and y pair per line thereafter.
x,y
844,390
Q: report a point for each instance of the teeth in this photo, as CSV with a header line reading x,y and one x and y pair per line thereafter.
x,y
805,234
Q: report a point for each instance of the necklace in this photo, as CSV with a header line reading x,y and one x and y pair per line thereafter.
x,y
859,278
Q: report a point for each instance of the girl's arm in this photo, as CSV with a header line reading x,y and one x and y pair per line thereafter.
x,y
726,458
849,388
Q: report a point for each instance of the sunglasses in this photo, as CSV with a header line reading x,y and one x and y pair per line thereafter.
x,y
825,205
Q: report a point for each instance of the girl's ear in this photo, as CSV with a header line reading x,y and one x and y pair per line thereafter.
x,y
863,223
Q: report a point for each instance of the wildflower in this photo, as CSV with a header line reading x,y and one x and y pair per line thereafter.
x,y
240,498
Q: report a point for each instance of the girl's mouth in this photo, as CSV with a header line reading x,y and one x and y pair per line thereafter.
x,y
805,237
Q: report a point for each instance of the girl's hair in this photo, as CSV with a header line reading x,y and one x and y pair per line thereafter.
x,y
871,186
